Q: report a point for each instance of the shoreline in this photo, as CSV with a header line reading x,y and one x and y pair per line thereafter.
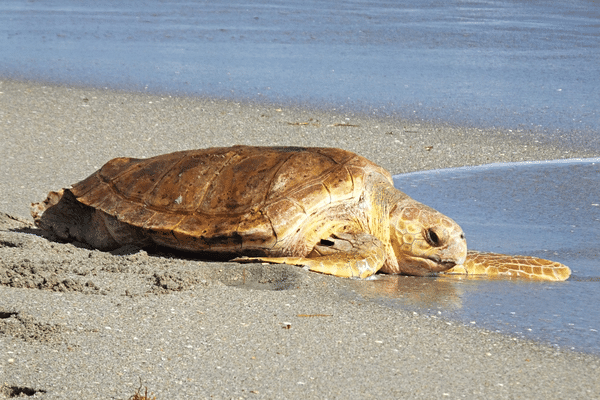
x,y
79,323
55,135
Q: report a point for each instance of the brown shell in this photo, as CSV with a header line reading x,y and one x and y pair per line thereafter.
x,y
225,198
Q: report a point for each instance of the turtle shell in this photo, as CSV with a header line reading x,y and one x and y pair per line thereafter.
x,y
228,199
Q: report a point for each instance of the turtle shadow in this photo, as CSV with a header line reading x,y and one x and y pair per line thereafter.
x,y
51,237
255,276
10,223
13,223
212,266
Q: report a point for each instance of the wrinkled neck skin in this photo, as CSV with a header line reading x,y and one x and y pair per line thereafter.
x,y
369,215
383,199
418,239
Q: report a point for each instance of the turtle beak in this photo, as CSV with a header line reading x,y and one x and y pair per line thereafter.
x,y
456,250
455,253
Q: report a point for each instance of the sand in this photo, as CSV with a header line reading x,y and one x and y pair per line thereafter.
x,y
80,323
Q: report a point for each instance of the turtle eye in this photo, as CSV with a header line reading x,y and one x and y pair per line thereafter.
x,y
325,242
432,237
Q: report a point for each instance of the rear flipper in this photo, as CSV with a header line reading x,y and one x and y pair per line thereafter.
x,y
71,220
492,264
344,255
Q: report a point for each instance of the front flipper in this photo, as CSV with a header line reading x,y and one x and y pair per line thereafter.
x,y
344,255
492,264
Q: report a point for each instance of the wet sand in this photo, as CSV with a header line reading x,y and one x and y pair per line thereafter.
x,y
79,323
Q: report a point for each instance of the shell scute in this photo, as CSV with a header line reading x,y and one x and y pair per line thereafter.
x,y
242,184
83,187
256,231
183,186
160,227
310,198
285,215
116,166
336,155
101,197
138,177
298,171
167,221
215,233
339,184
135,214
358,179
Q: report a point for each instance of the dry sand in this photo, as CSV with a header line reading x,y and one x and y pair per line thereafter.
x,y
78,323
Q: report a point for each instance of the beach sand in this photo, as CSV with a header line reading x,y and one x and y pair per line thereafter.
x,y
84,324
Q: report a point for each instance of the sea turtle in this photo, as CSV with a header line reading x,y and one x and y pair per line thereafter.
x,y
327,209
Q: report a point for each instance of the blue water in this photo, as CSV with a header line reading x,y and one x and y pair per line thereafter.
x,y
522,65
516,64
544,209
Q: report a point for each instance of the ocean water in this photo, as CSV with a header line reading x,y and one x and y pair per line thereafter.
x,y
544,209
547,209
519,64
522,65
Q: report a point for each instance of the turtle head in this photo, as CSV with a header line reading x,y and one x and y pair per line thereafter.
x,y
425,241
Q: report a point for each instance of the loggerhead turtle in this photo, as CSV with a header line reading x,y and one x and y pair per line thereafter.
x,y
327,209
